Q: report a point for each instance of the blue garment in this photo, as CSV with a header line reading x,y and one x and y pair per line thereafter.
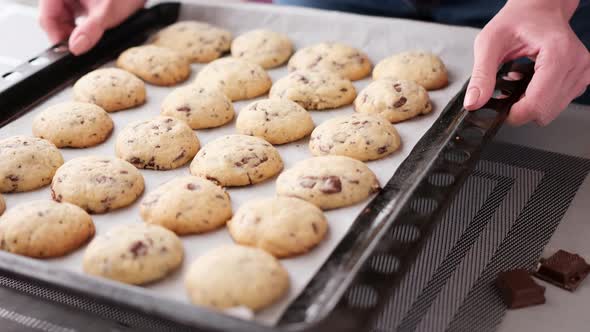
x,y
474,13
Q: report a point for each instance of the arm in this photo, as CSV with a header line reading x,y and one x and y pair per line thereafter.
x,y
538,29
58,19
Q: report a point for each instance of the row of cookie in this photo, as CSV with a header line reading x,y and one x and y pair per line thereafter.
x,y
207,107
232,160
202,42
143,253
207,103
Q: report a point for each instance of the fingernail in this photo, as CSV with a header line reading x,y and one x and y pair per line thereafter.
x,y
80,44
471,97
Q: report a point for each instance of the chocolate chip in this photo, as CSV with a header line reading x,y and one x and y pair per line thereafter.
x,y
401,102
315,228
135,161
151,162
138,248
183,109
101,179
382,150
210,178
55,197
180,156
12,177
192,186
124,172
302,79
397,87
343,90
331,185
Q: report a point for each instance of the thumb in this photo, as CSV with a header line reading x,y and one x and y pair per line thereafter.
x,y
488,53
86,35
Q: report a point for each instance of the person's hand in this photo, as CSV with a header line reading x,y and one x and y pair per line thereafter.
x,y
538,29
58,19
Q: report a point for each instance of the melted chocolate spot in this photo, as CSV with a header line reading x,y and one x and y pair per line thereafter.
x,y
401,102
138,248
331,185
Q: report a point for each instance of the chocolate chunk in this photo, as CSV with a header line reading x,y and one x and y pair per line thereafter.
x,y
101,179
138,248
563,269
401,102
519,290
308,181
12,178
331,185
215,180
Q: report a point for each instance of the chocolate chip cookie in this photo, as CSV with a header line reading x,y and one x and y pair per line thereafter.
x,y
274,119
197,41
161,143
282,226
338,58
187,205
314,90
27,163
199,106
73,124
112,89
395,100
134,254
264,47
328,182
237,78
359,136
155,65
422,67
44,228
237,160
233,275
97,184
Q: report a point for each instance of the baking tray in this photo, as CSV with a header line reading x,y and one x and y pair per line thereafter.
x,y
411,200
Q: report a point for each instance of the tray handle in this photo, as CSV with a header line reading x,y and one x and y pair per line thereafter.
x,y
43,75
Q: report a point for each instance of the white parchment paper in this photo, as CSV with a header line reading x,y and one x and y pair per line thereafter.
x,y
379,37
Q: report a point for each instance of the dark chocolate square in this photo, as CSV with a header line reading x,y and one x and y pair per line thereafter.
x,y
563,269
519,290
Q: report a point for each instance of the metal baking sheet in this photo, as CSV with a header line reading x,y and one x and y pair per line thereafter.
x,y
378,37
